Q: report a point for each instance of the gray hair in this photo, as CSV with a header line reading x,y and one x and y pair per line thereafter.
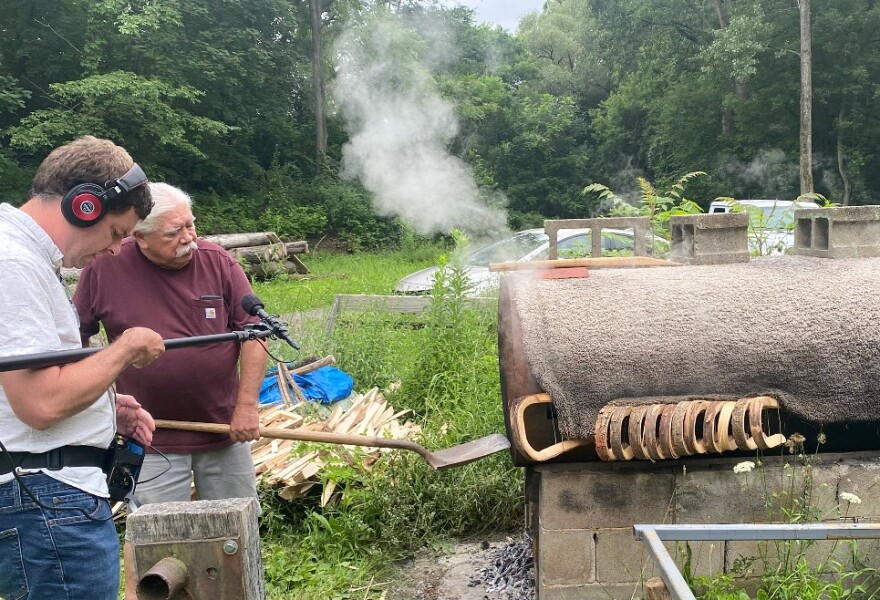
x,y
165,198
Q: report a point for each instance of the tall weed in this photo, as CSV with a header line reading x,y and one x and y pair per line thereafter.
x,y
446,362
795,569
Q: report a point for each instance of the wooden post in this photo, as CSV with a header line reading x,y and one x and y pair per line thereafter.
x,y
656,589
217,540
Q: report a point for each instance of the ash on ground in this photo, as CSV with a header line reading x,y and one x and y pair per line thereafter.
x,y
511,572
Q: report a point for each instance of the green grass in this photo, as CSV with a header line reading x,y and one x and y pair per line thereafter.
x,y
334,273
446,362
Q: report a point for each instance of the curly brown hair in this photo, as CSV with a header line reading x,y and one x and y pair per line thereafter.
x,y
89,160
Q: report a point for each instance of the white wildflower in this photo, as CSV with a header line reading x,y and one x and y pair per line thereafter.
x,y
850,498
744,467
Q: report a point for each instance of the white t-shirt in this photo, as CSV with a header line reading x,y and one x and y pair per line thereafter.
x,y
36,315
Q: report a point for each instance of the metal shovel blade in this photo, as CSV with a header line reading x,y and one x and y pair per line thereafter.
x,y
455,456
468,452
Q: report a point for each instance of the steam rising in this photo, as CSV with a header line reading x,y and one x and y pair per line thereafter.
x,y
770,174
400,128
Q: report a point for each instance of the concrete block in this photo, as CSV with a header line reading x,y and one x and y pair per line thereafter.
x,y
867,554
715,494
746,559
711,239
761,556
532,520
568,558
797,490
639,225
589,495
593,591
621,559
825,483
706,558
843,232
601,501
860,479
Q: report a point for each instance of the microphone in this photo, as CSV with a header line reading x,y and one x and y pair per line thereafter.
x,y
254,307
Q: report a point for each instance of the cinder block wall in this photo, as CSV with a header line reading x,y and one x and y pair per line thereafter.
x,y
581,515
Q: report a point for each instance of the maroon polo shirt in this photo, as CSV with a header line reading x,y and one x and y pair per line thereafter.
x,y
198,383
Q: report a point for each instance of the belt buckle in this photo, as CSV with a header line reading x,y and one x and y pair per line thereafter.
x,y
54,459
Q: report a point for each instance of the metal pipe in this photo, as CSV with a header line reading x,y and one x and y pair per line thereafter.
x,y
672,577
163,581
787,531
62,357
653,536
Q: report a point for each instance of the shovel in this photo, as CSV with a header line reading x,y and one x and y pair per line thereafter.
x,y
442,459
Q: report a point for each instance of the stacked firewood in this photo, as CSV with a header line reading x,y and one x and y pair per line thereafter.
x,y
295,467
263,254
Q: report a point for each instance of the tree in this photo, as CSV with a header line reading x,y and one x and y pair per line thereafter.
x,y
315,12
806,137
564,40
143,114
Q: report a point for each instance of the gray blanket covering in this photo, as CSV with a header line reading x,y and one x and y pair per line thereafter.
x,y
802,329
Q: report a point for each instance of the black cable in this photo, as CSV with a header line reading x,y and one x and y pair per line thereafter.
x,y
31,495
272,356
80,509
168,460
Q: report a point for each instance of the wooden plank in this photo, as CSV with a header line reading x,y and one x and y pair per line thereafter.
x,y
390,304
255,255
281,381
299,266
240,240
604,262
315,365
563,273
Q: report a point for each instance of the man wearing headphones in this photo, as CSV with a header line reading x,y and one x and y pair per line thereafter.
x,y
57,539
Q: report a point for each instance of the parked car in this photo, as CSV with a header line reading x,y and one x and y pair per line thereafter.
x,y
522,246
771,229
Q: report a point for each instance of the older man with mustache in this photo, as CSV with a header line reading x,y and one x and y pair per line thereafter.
x,y
166,279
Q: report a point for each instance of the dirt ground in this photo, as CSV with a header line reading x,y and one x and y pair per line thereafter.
x,y
449,573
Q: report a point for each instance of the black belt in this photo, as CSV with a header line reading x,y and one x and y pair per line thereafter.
x,y
66,456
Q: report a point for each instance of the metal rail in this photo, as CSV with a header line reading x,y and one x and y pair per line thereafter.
x,y
653,536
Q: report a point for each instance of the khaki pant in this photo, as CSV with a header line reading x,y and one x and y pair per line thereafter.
x,y
218,474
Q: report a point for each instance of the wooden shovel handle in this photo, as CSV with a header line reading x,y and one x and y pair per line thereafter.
x,y
325,437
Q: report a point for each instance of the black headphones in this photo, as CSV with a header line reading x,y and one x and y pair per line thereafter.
x,y
88,203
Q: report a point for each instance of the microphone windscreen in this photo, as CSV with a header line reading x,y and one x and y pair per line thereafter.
x,y
251,304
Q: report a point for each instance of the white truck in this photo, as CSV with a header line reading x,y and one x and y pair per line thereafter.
x,y
771,222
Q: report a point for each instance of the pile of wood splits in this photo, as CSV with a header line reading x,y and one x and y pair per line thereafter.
x,y
295,466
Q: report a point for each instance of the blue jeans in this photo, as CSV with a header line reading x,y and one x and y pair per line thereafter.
x,y
58,554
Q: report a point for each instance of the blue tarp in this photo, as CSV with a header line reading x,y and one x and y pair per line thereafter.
x,y
324,385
